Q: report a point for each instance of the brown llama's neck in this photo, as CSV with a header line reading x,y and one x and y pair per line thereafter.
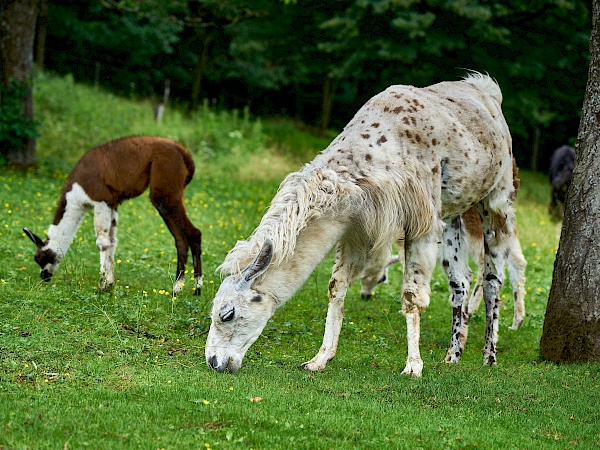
x,y
72,206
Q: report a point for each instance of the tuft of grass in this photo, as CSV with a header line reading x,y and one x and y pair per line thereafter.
x,y
126,369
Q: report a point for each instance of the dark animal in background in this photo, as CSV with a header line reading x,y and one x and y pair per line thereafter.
x,y
561,174
104,178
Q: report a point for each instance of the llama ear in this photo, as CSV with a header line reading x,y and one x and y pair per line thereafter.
x,y
256,267
34,238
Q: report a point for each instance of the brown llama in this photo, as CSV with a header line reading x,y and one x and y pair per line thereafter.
x,y
104,178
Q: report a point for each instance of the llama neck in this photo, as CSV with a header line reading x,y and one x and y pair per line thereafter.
x,y
313,244
60,235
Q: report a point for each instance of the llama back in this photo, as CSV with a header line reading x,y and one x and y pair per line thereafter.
x,y
145,149
124,166
448,127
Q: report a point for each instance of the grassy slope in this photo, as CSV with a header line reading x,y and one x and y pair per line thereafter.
x,y
127,370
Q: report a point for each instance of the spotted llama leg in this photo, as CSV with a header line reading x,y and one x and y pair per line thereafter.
x,y
495,227
516,271
420,257
342,275
454,259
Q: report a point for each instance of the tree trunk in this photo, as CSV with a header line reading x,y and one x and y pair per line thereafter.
x,y
200,68
17,32
40,35
572,323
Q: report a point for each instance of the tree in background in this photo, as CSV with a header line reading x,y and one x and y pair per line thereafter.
x,y
331,56
123,45
17,127
320,60
536,52
207,22
572,323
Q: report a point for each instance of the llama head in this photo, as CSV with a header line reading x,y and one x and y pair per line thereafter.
x,y
373,274
239,314
46,258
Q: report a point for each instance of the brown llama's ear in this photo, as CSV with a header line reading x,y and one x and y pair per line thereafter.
x,y
34,238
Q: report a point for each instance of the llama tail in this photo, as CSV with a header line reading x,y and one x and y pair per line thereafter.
x,y
485,83
189,163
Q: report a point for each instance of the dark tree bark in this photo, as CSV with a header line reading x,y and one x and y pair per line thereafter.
x,y
17,32
572,323
201,68
41,33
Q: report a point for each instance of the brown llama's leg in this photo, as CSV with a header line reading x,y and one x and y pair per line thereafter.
x,y
187,236
105,224
167,183
174,216
194,238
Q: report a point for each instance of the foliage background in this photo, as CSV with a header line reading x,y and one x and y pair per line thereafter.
x,y
319,61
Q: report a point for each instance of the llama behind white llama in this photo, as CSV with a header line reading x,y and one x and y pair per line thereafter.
x,y
104,178
376,270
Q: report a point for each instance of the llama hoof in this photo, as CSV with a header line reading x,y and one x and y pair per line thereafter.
x,y
452,357
413,368
198,285
103,288
314,365
178,286
490,360
516,325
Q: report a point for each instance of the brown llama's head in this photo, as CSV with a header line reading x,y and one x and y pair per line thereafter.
x,y
46,258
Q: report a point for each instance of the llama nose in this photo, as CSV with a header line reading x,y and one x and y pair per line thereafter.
x,y
46,275
214,364
366,296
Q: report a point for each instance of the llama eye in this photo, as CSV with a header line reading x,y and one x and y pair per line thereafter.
x,y
227,315
257,298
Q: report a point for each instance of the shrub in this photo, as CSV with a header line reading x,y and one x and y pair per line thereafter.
x,y
15,126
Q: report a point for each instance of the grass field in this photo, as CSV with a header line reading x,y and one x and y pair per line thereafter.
x,y
126,369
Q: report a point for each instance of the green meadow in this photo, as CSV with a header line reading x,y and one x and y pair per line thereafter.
x,y
126,369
